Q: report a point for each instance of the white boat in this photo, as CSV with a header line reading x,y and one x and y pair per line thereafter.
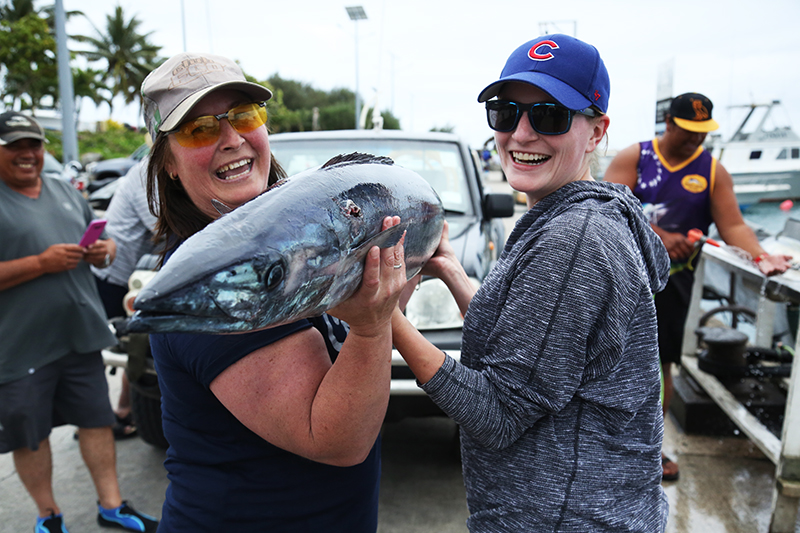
x,y
765,164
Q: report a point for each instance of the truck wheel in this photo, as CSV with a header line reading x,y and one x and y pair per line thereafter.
x,y
146,409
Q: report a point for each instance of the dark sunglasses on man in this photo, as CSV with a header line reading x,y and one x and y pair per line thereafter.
x,y
545,118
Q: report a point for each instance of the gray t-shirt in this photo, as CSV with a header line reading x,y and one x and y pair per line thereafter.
x,y
48,317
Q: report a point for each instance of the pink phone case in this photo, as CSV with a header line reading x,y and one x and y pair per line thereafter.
x,y
92,233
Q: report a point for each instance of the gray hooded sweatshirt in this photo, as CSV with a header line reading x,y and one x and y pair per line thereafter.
x,y
558,390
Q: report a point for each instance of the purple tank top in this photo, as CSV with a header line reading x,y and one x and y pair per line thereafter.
x,y
675,198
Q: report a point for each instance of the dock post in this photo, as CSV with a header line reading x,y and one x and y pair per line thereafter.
x,y
786,493
695,311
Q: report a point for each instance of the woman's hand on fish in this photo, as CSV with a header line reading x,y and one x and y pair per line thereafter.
x,y
445,265
444,259
369,310
442,262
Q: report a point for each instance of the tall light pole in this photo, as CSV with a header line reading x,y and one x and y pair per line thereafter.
x,y
356,13
183,25
69,137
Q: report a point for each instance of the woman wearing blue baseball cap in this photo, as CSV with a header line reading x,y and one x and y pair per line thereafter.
x,y
557,389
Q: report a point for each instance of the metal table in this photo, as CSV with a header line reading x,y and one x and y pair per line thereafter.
x,y
783,452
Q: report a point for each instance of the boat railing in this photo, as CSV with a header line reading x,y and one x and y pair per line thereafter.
x,y
784,452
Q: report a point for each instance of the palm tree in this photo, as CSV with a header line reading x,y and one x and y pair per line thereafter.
x,y
89,84
14,10
28,55
127,54
27,61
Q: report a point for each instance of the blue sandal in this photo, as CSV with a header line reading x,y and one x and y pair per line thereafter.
x,y
126,517
51,524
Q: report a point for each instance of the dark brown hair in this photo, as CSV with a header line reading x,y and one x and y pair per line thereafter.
x,y
177,216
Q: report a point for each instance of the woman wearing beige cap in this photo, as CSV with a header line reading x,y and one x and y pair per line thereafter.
x,y
265,432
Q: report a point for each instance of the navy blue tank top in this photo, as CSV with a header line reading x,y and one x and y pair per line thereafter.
x,y
225,478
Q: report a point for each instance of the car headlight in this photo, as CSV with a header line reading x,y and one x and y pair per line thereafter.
x,y
431,306
138,279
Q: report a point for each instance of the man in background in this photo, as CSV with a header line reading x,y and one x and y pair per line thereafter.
x,y
683,187
53,327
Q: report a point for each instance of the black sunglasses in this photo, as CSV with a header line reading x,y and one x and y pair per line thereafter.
x,y
546,118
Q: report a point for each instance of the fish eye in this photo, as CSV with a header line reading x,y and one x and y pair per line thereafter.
x,y
274,276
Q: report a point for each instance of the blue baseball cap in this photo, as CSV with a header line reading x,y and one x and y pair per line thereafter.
x,y
566,68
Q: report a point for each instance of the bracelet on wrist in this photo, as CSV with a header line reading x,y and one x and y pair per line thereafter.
x,y
760,258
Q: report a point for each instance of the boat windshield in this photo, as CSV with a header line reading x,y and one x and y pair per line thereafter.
x,y
439,163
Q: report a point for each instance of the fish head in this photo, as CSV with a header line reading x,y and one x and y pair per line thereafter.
x,y
268,289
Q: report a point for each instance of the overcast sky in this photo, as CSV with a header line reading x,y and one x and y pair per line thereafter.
x,y
427,60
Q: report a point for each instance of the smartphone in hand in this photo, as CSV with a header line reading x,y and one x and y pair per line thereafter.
x,y
93,232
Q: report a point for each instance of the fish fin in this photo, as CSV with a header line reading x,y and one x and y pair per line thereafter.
x,y
384,239
357,158
221,208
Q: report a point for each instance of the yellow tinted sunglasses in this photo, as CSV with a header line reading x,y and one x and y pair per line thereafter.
x,y
205,130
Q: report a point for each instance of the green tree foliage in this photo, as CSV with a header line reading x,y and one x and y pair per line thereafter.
x,y
16,9
119,142
294,104
48,13
122,57
39,59
126,55
390,122
337,116
89,84
27,60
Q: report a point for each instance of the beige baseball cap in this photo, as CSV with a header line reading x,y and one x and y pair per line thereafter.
x,y
171,91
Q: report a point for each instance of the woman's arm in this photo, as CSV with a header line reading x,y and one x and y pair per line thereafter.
x,y
558,314
96,253
423,358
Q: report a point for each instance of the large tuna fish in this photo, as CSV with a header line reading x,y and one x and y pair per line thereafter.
x,y
293,252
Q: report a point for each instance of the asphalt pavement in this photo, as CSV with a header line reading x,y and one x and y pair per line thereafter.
x,y
421,487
